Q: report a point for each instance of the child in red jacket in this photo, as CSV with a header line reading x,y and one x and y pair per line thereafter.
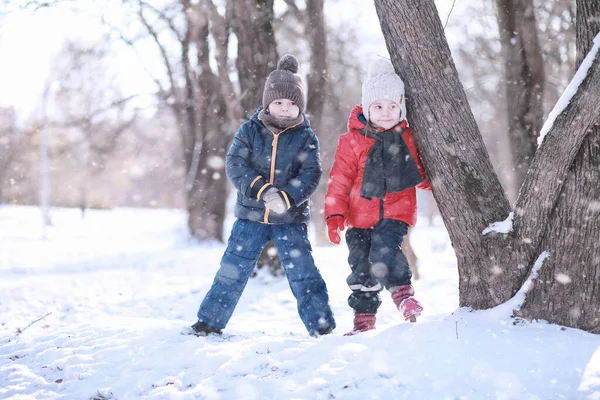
x,y
372,192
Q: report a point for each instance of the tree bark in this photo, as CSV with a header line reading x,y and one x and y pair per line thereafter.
x,y
491,267
318,93
211,134
465,187
567,291
8,144
411,256
524,75
252,23
541,192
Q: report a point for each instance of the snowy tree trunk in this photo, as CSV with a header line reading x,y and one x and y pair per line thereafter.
x,y
9,147
208,136
524,81
318,93
252,23
555,212
467,191
567,291
411,256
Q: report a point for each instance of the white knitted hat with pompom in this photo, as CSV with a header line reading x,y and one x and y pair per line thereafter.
x,y
382,84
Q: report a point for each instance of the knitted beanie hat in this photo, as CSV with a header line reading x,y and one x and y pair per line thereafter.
x,y
382,84
285,83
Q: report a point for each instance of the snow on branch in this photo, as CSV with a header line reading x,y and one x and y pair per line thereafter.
x,y
505,226
519,298
570,91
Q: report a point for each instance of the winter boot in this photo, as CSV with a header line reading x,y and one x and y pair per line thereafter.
x,y
362,323
323,331
203,329
408,305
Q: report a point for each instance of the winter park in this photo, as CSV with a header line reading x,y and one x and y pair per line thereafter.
x,y
243,199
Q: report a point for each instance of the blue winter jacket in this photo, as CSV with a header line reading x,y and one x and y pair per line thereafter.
x,y
259,159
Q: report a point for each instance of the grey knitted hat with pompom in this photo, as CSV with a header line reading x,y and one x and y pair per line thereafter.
x,y
285,83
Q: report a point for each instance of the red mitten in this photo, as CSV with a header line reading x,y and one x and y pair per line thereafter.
x,y
335,224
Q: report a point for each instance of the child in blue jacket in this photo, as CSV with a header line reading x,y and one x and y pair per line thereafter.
x,y
275,166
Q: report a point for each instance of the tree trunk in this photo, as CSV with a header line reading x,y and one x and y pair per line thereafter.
x,y
538,203
8,144
567,290
208,126
492,267
410,256
524,81
318,93
465,187
252,23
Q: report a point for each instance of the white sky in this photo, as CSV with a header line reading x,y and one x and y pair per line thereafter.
x,y
29,43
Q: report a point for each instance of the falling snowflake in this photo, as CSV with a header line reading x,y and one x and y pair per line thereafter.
x,y
215,162
563,278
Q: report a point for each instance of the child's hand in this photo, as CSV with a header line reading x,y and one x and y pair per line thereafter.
x,y
335,224
273,201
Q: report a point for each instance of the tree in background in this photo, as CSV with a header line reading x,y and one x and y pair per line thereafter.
x,y
524,80
10,145
476,47
89,116
494,263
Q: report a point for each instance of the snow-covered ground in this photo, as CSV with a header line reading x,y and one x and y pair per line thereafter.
x,y
121,285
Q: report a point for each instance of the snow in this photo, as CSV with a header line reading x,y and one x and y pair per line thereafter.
x,y
505,226
519,298
120,286
570,91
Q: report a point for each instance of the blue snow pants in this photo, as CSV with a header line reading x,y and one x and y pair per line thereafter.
x,y
376,260
245,245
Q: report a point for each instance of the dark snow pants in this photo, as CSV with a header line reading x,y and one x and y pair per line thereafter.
x,y
377,261
246,242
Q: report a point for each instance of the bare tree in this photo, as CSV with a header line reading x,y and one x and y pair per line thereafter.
x,y
492,266
566,290
252,24
524,77
208,132
89,109
9,144
481,64
319,94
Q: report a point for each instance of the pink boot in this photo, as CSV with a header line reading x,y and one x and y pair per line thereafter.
x,y
408,305
362,323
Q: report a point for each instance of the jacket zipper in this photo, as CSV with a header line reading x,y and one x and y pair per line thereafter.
x,y
381,208
272,174
273,159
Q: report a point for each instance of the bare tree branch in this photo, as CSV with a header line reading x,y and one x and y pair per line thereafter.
x,y
38,5
131,44
20,331
220,30
90,116
161,47
296,12
162,15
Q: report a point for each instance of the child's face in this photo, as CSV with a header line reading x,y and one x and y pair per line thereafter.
x,y
384,113
284,109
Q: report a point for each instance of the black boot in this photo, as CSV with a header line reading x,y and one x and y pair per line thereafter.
x,y
203,329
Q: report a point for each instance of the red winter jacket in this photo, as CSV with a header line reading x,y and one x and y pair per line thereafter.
x,y
343,192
